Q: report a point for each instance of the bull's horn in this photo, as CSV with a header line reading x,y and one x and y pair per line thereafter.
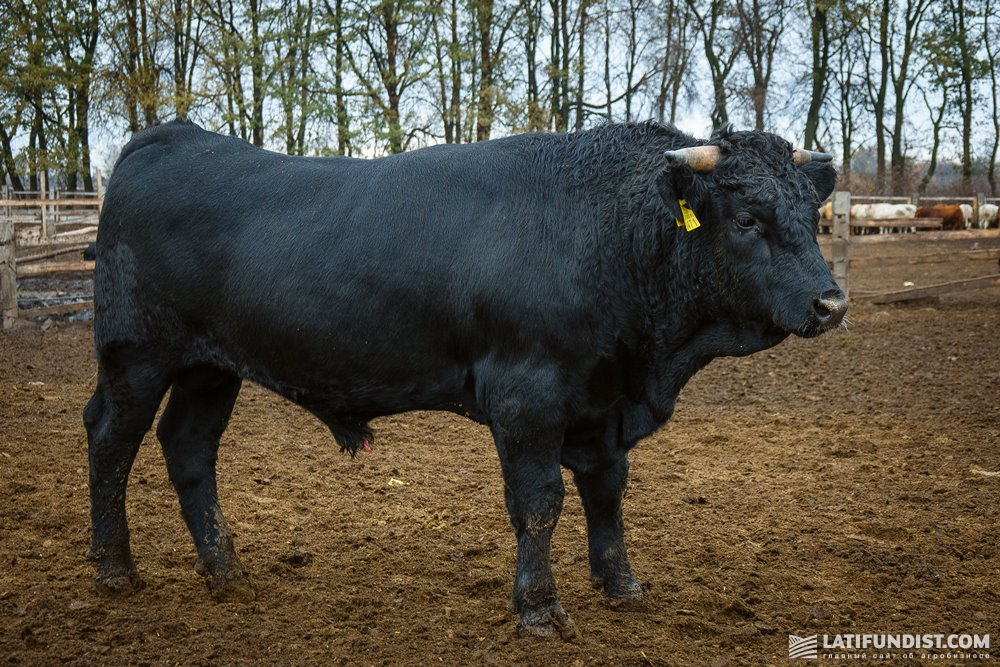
x,y
801,156
700,158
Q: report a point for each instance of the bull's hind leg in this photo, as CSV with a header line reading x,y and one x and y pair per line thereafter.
x,y
602,490
201,402
129,390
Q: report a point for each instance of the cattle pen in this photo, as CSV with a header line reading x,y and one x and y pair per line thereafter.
x,y
843,235
42,233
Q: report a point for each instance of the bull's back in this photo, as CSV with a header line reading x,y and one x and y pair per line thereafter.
x,y
403,267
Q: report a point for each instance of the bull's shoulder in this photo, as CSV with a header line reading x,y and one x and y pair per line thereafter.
x,y
175,133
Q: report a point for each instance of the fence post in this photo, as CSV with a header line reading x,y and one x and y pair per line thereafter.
x,y
99,186
976,208
841,238
8,274
43,195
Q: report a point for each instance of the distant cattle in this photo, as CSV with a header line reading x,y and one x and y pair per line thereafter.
x,y
987,216
891,211
882,211
951,215
966,215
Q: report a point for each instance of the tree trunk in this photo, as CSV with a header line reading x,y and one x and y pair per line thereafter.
x,y
533,20
390,22
484,115
8,160
456,75
936,122
564,68
581,65
555,61
257,75
879,101
608,95
668,39
820,41
149,93
992,56
965,66
343,122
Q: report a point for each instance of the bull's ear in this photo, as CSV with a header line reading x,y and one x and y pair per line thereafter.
x,y
823,177
676,183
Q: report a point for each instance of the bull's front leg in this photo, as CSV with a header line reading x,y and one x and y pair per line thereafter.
x,y
601,490
534,493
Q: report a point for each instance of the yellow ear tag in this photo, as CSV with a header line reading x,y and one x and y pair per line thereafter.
x,y
690,219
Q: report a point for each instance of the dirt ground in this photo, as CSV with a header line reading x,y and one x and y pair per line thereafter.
x,y
846,484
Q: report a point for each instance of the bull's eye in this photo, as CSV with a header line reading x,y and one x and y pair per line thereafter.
x,y
746,222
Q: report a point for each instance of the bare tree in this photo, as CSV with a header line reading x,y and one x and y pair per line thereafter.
x,y
991,18
819,40
388,62
492,28
936,50
186,27
846,45
295,39
530,29
877,89
969,70
722,42
901,49
675,58
762,24
450,58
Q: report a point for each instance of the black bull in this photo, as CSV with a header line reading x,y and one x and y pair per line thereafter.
x,y
537,284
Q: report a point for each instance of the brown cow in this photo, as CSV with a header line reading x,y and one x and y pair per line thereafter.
x,y
951,216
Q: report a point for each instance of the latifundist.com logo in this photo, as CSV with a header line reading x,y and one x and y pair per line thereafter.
x,y
801,647
890,647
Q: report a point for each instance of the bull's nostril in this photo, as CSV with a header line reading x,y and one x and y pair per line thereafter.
x,y
830,307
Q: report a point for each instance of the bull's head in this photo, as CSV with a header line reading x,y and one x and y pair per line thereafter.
x,y
757,199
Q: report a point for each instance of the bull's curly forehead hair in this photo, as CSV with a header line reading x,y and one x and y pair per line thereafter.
x,y
760,165
769,148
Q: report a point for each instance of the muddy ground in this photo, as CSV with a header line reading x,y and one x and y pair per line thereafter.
x,y
844,484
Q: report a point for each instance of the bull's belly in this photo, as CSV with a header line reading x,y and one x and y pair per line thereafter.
x,y
357,386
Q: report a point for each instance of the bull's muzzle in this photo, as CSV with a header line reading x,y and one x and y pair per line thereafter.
x,y
829,309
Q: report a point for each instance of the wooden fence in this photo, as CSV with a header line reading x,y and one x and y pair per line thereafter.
x,y
44,217
841,260
55,224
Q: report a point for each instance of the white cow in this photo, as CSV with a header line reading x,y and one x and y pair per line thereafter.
x,y
883,212
987,216
966,214
890,211
859,211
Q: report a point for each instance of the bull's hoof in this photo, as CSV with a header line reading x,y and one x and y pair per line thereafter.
x,y
231,587
233,590
226,584
547,623
118,585
115,574
624,593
